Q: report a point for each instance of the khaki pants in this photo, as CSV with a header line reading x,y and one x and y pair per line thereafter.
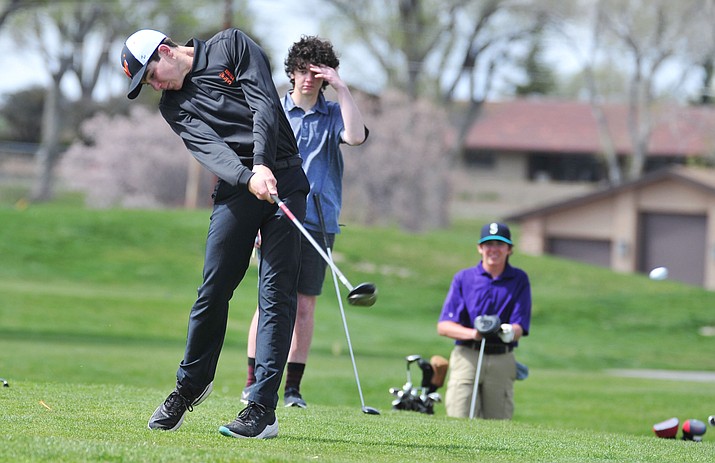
x,y
495,398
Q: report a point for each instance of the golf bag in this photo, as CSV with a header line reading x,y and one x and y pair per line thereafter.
x,y
421,399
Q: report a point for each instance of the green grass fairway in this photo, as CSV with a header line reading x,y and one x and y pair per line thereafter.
x,y
93,319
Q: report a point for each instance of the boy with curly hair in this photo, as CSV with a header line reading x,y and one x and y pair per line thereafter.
x,y
320,126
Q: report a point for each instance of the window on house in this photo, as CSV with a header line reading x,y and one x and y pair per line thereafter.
x,y
480,158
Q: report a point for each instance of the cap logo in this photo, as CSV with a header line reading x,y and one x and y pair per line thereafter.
x,y
126,66
493,228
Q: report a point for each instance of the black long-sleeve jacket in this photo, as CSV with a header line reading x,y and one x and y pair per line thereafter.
x,y
228,112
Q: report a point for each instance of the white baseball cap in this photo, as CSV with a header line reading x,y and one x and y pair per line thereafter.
x,y
137,51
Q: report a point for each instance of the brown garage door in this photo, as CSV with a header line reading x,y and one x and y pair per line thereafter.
x,y
674,241
597,252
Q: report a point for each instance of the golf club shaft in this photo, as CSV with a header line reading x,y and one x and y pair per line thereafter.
x,y
347,333
476,379
319,210
410,360
312,241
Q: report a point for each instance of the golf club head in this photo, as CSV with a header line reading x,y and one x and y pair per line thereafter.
x,y
693,430
369,410
364,294
412,358
487,324
666,429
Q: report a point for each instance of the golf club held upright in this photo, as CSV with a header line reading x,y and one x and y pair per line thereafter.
x,y
365,409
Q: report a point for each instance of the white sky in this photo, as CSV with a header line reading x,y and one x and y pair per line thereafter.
x,y
278,23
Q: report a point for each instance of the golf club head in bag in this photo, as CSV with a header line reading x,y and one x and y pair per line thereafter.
x,y
410,359
666,429
427,373
693,430
409,399
487,324
412,399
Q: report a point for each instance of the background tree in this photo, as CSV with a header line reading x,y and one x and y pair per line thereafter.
x,y
400,175
19,113
646,40
653,33
448,50
78,41
702,52
539,79
132,160
62,31
436,48
9,7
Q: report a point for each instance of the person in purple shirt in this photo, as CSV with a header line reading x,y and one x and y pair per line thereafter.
x,y
492,287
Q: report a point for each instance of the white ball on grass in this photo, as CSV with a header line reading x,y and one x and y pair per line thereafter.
x,y
658,273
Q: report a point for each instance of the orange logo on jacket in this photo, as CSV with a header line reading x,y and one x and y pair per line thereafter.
x,y
227,76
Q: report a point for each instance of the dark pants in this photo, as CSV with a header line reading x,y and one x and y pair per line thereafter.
x,y
235,221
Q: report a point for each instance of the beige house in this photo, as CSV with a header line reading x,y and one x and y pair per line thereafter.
x,y
666,218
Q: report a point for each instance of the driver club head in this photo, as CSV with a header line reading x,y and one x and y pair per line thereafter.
x,y
487,324
369,410
364,294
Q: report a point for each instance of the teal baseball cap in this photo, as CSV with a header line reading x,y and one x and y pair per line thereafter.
x,y
495,231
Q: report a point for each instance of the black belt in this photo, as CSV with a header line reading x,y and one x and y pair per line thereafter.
x,y
278,164
489,349
281,164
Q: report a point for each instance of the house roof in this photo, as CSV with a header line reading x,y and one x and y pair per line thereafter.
x,y
699,177
570,127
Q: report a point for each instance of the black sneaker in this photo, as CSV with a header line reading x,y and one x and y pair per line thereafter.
x,y
169,415
292,398
255,421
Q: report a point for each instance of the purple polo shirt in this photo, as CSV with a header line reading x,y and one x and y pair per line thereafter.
x,y
474,292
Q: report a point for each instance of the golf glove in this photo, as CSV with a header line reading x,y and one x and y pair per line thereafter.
x,y
506,334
